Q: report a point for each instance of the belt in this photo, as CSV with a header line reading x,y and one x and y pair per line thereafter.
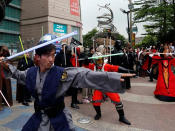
x,y
51,111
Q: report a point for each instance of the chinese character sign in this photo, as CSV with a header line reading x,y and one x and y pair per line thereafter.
x,y
74,7
59,28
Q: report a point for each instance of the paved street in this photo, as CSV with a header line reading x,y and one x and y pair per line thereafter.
x,y
141,108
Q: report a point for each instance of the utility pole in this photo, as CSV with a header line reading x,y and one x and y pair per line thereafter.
x,y
129,35
130,29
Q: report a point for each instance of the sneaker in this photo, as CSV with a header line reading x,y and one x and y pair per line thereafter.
x,y
25,103
79,102
75,106
85,101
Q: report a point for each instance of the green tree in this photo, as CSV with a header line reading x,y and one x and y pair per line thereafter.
x,y
160,18
149,40
87,38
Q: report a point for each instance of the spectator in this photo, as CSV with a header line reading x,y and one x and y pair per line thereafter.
x,y
22,94
5,83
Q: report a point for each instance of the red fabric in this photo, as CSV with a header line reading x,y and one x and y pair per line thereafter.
x,y
85,66
155,59
73,61
91,66
107,67
153,50
98,97
110,68
145,64
78,50
161,88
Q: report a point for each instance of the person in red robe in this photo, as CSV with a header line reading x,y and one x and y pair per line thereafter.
x,y
98,96
165,88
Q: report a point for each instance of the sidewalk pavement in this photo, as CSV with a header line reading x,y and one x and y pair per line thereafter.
x,y
144,111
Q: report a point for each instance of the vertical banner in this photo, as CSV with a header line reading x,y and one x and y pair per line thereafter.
x,y
74,7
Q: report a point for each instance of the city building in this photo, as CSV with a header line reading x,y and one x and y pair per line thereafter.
x,y
59,17
33,18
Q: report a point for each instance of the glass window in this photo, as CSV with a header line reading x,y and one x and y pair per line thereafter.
x,y
77,37
10,25
8,38
16,2
12,12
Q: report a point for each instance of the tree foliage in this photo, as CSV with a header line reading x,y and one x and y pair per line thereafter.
x,y
159,18
148,41
88,38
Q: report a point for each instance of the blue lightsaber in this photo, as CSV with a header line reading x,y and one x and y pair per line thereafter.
x,y
42,45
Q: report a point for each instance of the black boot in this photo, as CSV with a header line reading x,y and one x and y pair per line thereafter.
x,y
75,106
98,111
128,83
122,117
25,103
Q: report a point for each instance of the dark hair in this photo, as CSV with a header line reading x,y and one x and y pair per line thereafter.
x,y
45,50
91,48
4,51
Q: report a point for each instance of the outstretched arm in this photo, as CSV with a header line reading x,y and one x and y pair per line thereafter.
x,y
85,78
116,68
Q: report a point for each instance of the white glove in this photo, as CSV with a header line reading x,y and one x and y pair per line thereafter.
x,y
151,55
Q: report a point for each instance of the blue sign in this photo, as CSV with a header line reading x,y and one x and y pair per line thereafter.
x,y
59,28
134,29
58,47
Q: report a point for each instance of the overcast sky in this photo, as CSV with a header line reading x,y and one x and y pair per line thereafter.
x,y
90,10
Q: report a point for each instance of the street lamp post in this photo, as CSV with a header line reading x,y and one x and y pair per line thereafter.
x,y
130,6
128,30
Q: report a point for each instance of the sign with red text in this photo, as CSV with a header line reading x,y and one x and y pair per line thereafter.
x,y
74,7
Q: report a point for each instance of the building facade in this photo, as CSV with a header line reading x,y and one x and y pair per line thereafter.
x,y
10,26
31,19
59,17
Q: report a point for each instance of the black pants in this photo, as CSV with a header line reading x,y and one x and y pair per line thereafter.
x,y
152,75
74,94
22,93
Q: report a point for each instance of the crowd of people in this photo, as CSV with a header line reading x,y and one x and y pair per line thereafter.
x,y
49,77
159,63
48,83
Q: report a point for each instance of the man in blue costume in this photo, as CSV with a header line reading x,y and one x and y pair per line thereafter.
x,y
48,83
